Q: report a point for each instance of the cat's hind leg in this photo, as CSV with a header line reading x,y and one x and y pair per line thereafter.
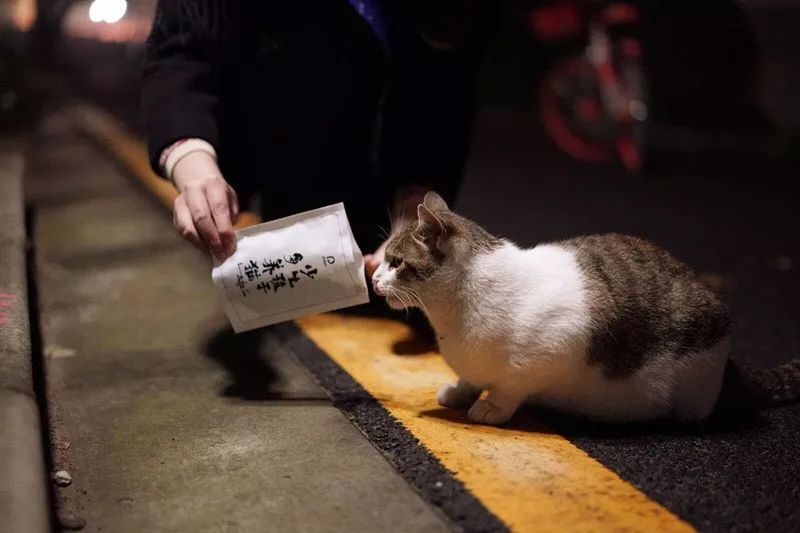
x,y
458,395
497,408
699,381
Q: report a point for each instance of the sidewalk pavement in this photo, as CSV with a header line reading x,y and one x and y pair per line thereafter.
x,y
164,419
23,493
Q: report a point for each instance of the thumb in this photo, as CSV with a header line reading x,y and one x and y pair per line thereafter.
x,y
371,264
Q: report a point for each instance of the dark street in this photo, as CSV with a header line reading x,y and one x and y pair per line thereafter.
x,y
166,421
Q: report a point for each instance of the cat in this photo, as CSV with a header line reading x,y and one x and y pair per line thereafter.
x,y
607,327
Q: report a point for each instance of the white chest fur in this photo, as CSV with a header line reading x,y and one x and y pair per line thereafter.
x,y
517,307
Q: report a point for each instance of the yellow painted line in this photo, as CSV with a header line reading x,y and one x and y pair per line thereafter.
x,y
532,479
131,151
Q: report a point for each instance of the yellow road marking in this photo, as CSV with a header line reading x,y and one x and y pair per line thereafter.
x,y
532,479
132,153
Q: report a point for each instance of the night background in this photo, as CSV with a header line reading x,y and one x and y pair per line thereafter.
x,y
701,155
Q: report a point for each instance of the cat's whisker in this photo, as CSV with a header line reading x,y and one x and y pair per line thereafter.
x,y
395,294
417,296
418,299
392,220
406,298
410,303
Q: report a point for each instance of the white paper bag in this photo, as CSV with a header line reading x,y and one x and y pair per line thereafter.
x,y
295,266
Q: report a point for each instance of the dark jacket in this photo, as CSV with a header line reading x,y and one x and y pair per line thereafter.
x,y
291,95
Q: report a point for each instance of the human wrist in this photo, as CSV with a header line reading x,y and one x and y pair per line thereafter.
x,y
175,153
193,168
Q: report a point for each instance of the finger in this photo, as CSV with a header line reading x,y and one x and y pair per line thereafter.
x,y
218,201
182,219
234,203
371,265
203,222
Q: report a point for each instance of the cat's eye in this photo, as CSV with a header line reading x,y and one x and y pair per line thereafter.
x,y
395,262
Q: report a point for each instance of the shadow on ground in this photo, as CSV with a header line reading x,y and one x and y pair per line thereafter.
x,y
252,378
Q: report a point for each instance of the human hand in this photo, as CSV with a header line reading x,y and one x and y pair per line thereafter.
x,y
373,261
207,207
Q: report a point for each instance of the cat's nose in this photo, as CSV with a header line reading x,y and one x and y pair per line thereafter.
x,y
375,287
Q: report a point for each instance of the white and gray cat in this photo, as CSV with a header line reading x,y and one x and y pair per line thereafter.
x,y
610,327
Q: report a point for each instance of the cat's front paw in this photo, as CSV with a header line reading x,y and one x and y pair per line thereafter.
x,y
485,412
452,395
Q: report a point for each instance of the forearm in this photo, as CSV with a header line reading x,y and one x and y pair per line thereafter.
x,y
180,85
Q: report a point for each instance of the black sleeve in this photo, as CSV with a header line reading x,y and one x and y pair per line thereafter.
x,y
428,112
426,127
180,86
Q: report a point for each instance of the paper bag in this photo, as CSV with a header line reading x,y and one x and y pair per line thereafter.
x,y
295,266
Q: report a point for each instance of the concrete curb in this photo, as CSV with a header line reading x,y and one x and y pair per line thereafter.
x,y
23,494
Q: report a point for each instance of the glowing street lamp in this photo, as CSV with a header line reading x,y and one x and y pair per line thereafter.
x,y
108,11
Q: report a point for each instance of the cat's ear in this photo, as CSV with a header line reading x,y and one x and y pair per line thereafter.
x,y
430,227
434,202
426,217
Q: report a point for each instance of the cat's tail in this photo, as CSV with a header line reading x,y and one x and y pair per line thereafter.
x,y
769,387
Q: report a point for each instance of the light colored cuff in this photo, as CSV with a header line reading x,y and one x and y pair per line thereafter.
x,y
183,148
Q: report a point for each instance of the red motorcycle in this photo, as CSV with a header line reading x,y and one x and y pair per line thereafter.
x,y
593,101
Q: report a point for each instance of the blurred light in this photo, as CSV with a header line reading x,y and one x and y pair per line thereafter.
x,y
23,14
95,10
638,110
108,11
782,263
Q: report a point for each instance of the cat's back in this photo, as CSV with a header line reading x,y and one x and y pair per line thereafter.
x,y
643,301
625,258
